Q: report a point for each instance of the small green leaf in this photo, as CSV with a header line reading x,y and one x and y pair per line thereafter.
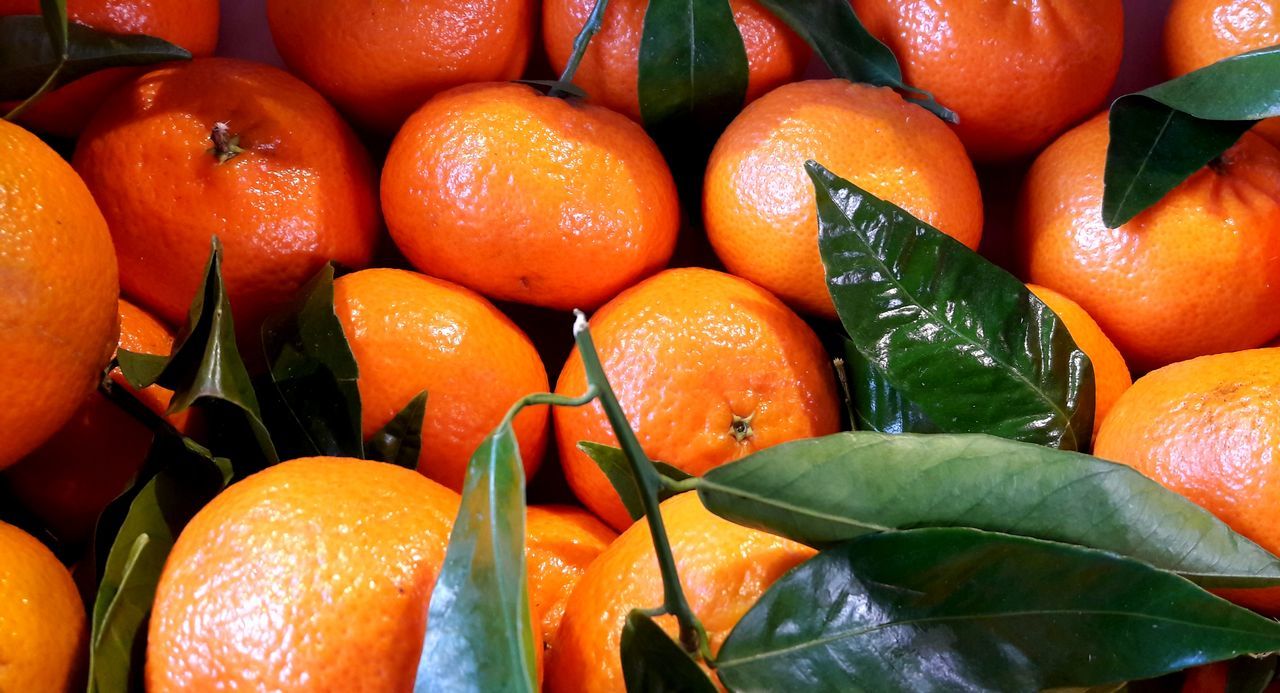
x,y
848,49
960,609
54,13
960,338
823,491
613,462
693,65
1162,135
653,663
400,441
479,630
876,405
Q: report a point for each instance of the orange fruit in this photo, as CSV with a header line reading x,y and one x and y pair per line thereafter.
x,y
610,69
1209,429
411,333
42,620
724,568
301,193
758,202
1110,372
190,24
567,203
709,368
560,543
312,575
1195,274
58,291
379,61
1198,33
1016,73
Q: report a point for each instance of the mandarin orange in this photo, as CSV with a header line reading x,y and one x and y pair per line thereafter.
x,y
42,620
560,543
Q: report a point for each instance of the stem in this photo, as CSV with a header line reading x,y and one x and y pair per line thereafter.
x,y
589,30
44,88
681,486
123,398
692,635
226,146
550,399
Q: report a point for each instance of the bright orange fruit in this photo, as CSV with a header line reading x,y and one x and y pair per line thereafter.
x,y
42,620
560,543
1198,33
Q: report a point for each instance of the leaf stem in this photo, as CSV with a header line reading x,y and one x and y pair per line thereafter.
x,y
680,485
44,88
589,30
549,399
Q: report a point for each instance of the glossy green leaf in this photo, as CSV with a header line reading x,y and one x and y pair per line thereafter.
x,y
54,13
962,339
27,57
613,462
479,629
1162,135
654,663
693,65
848,49
961,609
875,404
315,375
823,491
400,441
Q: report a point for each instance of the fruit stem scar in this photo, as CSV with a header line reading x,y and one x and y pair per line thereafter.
x,y
226,145
740,427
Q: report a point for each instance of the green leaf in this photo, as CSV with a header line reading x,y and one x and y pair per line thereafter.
x,y
54,13
400,441
27,57
479,632
1162,135
693,65
848,49
962,339
315,375
613,462
960,609
875,404
653,663
823,491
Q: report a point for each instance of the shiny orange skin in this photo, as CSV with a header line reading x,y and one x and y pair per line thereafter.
x,y
567,203
560,543
1016,73
190,24
58,291
1195,274
379,61
1110,372
610,69
69,480
411,333
758,201
300,195
42,620
723,567
1209,429
687,352
1198,33
312,575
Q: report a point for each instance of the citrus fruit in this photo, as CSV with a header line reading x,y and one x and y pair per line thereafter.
x,y
286,188
1195,274
312,575
708,367
1110,373
42,620
529,198
411,333
610,69
560,542
58,292
758,202
379,61
1209,429
1016,73
190,24
724,568
1198,33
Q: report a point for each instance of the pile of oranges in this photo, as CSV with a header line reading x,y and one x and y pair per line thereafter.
x,y
468,212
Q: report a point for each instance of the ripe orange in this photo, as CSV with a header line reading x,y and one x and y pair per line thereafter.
x,y
708,367
412,333
42,620
723,567
758,202
191,24
1209,429
58,291
1017,73
1215,678
298,195
561,542
610,69
529,198
1193,275
379,61
1110,373
1198,33
312,575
